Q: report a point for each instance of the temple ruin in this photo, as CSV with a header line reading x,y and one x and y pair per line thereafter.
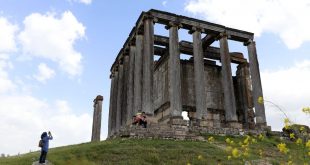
x,y
203,85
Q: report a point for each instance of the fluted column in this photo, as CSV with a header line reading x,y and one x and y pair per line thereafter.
x,y
112,91
119,95
148,60
256,85
227,82
114,100
174,71
199,75
130,90
125,88
138,74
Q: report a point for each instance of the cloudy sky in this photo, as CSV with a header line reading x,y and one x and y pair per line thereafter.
x,y
55,57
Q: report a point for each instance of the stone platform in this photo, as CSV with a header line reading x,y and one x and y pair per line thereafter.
x,y
180,132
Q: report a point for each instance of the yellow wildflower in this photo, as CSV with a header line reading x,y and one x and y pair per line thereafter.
x,y
282,148
290,163
235,153
254,141
287,123
299,141
188,164
309,153
261,137
302,129
292,135
260,100
260,153
308,144
199,157
246,141
246,154
211,139
228,157
306,110
228,149
228,140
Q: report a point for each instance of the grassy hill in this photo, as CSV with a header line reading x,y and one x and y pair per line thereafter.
x,y
218,150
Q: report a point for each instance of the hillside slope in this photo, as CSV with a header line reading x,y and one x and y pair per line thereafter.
x,y
218,150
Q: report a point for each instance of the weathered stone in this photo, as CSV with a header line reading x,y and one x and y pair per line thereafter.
x,y
216,101
97,118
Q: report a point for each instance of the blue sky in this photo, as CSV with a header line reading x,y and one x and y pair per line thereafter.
x,y
55,57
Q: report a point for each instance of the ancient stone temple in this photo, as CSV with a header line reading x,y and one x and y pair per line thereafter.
x,y
202,85
97,118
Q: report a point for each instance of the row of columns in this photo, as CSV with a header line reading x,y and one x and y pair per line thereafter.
x,y
139,78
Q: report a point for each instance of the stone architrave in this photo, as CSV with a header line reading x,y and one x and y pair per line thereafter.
x,y
138,74
130,90
227,82
174,71
256,85
148,60
119,95
199,75
97,118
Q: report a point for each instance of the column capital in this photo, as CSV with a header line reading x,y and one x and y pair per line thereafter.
x,y
149,16
140,30
132,42
196,28
222,35
126,52
173,24
250,41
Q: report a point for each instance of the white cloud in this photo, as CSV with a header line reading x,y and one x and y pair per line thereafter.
x,y
44,73
7,35
47,36
87,2
24,118
164,3
288,88
285,18
6,84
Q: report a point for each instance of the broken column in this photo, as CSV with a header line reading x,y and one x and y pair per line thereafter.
x,y
97,118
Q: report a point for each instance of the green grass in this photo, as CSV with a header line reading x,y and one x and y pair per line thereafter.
x,y
146,152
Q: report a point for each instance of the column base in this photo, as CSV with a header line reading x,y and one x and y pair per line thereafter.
x,y
234,124
262,126
177,120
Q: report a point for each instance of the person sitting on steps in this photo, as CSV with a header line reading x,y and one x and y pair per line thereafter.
x,y
140,119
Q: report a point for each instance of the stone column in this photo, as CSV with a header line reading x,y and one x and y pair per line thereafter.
x,y
138,74
130,90
227,83
256,85
125,88
97,118
119,96
199,75
148,60
243,79
174,69
114,99
112,91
